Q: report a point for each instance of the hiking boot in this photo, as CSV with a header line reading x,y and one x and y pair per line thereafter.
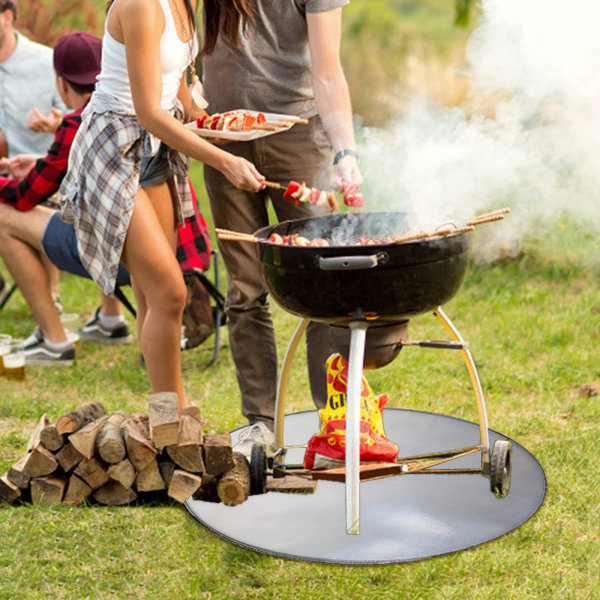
x,y
38,352
94,331
257,433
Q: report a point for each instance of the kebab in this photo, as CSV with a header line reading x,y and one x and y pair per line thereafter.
x,y
234,121
300,192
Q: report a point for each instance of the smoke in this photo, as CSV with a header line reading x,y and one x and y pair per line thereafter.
x,y
538,152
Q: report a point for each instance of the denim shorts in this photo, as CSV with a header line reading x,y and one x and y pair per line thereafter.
x,y
155,169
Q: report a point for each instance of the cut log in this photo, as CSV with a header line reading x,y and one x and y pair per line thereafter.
x,y
16,475
51,439
164,418
34,440
166,470
110,443
191,411
68,457
48,490
233,487
39,462
149,478
187,453
122,472
183,485
207,492
77,491
218,455
9,492
84,439
292,484
140,449
76,419
114,494
93,472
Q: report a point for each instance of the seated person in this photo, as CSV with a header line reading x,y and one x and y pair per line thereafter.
x,y
30,106
31,234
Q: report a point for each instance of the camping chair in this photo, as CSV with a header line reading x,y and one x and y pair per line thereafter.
x,y
7,293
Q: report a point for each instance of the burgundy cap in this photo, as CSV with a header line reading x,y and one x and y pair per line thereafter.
x,y
77,57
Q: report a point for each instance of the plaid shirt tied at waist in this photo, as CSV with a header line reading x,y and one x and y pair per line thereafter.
x,y
98,193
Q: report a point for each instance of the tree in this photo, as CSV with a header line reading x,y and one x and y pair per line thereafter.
x,y
44,21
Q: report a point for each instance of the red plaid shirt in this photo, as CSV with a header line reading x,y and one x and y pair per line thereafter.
x,y
45,178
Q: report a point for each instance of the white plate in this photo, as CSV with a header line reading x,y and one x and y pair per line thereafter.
x,y
242,136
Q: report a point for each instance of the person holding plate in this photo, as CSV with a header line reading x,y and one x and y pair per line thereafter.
x,y
277,57
132,133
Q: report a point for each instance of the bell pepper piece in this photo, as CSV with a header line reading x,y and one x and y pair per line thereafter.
x,y
292,188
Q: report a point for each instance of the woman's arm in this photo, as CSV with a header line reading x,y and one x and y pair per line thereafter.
x,y
332,96
139,24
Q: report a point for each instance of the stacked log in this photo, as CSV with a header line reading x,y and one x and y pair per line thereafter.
x,y
87,455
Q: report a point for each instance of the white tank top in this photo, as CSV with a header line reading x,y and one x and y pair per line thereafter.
x,y
175,56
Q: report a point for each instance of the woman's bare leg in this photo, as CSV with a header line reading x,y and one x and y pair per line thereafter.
x,y
158,286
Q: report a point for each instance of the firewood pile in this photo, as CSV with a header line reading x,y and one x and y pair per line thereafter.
x,y
88,455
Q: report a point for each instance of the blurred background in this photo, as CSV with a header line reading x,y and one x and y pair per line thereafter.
x,y
404,46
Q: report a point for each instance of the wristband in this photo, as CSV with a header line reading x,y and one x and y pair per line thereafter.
x,y
342,153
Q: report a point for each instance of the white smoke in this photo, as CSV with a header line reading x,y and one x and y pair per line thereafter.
x,y
540,151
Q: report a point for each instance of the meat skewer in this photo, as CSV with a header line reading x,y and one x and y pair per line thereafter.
x,y
300,192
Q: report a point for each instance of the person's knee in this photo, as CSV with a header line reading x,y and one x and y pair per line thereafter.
x,y
171,300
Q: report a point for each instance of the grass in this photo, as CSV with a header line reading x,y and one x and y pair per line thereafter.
x,y
534,329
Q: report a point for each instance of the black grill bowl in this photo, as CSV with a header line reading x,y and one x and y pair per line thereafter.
x,y
408,279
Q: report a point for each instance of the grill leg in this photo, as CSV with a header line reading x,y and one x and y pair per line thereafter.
x,y
355,369
283,381
476,383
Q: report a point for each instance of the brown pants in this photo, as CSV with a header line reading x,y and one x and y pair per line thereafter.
x,y
302,154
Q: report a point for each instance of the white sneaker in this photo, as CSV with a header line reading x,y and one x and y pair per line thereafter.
x,y
258,433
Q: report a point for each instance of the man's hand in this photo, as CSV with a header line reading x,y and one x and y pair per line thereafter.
x,y
36,121
347,172
19,165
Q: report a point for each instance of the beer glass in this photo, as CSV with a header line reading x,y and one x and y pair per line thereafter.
x,y
14,360
70,322
4,339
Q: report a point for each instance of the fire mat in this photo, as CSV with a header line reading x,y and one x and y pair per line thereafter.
x,y
403,518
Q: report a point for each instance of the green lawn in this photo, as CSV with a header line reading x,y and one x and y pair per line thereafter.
x,y
533,326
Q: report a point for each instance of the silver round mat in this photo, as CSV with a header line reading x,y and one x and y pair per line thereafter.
x,y
402,518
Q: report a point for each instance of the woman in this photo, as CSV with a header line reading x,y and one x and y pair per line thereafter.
x,y
126,186
283,57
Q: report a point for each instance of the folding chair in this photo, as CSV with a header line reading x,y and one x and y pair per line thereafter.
x,y
5,294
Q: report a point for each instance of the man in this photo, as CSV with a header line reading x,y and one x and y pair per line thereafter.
x,y
31,234
27,90
302,77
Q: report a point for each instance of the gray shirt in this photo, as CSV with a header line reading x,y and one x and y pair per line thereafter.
x,y
272,70
27,80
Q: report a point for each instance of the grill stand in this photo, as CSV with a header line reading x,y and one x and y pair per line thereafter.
x,y
352,471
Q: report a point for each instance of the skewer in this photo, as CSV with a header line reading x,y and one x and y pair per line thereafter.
x,y
272,184
429,234
494,213
268,126
293,120
489,219
235,236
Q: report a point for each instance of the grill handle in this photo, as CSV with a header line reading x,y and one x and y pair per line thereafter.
x,y
351,263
